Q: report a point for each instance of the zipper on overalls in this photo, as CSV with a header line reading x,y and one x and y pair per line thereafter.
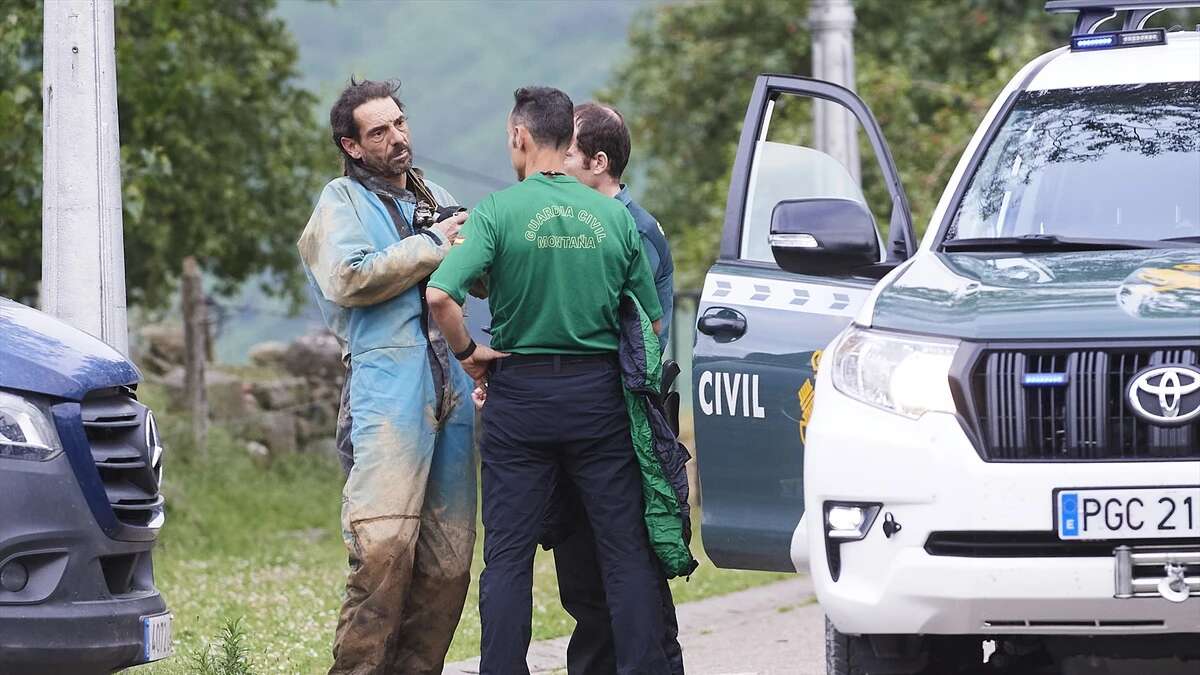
x,y
440,381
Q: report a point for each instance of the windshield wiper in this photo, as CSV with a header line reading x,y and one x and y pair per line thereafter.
x,y
1050,242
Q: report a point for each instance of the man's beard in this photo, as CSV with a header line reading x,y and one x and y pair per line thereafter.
x,y
397,165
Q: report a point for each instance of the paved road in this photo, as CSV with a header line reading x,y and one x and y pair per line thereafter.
x,y
776,629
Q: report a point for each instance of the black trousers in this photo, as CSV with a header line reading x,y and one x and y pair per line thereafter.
x,y
563,420
581,589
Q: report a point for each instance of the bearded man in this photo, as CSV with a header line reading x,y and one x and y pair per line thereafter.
x,y
408,507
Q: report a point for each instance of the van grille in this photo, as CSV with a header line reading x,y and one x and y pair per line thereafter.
x,y
128,455
1086,418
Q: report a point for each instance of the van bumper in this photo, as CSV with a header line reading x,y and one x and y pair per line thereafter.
x,y
82,637
71,598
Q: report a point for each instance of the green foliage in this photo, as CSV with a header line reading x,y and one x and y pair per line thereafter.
x,y
243,540
232,656
220,152
20,150
929,71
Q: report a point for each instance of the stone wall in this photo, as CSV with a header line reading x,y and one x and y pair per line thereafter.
x,y
286,401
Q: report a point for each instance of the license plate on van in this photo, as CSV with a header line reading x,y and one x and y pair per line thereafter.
x,y
1127,513
156,637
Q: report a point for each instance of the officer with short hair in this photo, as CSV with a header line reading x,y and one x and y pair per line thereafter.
x,y
559,257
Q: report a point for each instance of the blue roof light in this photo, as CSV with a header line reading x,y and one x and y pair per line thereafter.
x,y
1093,42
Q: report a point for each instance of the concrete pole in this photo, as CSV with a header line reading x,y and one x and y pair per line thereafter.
x,y
83,257
835,128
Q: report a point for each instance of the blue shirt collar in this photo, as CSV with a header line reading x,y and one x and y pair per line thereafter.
x,y
624,196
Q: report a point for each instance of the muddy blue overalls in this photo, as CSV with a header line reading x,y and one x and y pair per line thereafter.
x,y
408,511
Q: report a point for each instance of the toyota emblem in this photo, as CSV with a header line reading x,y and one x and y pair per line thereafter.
x,y
1166,396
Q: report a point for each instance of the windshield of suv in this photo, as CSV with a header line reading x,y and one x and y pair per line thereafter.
x,y
1116,162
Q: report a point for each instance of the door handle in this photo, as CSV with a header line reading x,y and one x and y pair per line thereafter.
x,y
726,325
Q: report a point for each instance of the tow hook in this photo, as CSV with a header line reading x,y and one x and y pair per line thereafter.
x,y
890,525
1174,586
1163,571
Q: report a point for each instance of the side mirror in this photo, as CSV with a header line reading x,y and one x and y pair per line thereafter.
x,y
823,236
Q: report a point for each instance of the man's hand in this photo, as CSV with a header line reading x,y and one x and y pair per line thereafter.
x,y
477,363
449,317
448,229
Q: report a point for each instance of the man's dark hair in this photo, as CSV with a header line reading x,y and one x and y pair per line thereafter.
x,y
547,113
341,115
600,128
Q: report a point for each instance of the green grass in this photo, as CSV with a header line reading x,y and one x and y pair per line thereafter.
x,y
263,544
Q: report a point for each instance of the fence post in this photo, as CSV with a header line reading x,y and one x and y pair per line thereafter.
x,y
195,329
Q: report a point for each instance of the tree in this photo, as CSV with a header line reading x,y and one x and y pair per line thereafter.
x,y
221,156
928,70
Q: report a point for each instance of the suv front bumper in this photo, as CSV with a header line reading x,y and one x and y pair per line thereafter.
x,y
929,478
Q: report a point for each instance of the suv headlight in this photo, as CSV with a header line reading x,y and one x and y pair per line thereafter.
x,y
26,431
903,374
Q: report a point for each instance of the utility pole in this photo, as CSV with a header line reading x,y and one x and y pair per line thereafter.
x,y
836,129
83,257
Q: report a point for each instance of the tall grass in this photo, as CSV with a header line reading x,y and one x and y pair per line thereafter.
x,y
230,656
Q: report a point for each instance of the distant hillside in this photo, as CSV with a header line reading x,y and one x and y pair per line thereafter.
x,y
459,62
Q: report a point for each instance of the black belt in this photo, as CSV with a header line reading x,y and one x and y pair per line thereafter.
x,y
554,362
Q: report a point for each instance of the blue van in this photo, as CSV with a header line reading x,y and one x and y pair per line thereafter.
x,y
80,471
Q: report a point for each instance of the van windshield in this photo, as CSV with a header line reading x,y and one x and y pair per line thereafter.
x,y
1115,162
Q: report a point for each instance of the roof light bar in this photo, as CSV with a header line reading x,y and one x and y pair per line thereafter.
x,y
1136,38
1144,37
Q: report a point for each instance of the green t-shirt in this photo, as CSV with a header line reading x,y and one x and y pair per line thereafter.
x,y
558,256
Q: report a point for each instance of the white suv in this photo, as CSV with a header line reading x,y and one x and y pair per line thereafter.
x,y
999,427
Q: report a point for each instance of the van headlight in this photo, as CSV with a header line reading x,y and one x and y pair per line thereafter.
x,y
26,431
903,374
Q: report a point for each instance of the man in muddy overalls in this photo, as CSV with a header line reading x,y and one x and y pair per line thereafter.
x,y
408,511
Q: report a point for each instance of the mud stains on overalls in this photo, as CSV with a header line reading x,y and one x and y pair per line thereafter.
x,y
408,512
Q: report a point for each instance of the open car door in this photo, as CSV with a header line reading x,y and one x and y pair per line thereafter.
x,y
794,268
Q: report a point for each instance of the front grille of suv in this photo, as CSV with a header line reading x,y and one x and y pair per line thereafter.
x,y
1086,418
128,455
